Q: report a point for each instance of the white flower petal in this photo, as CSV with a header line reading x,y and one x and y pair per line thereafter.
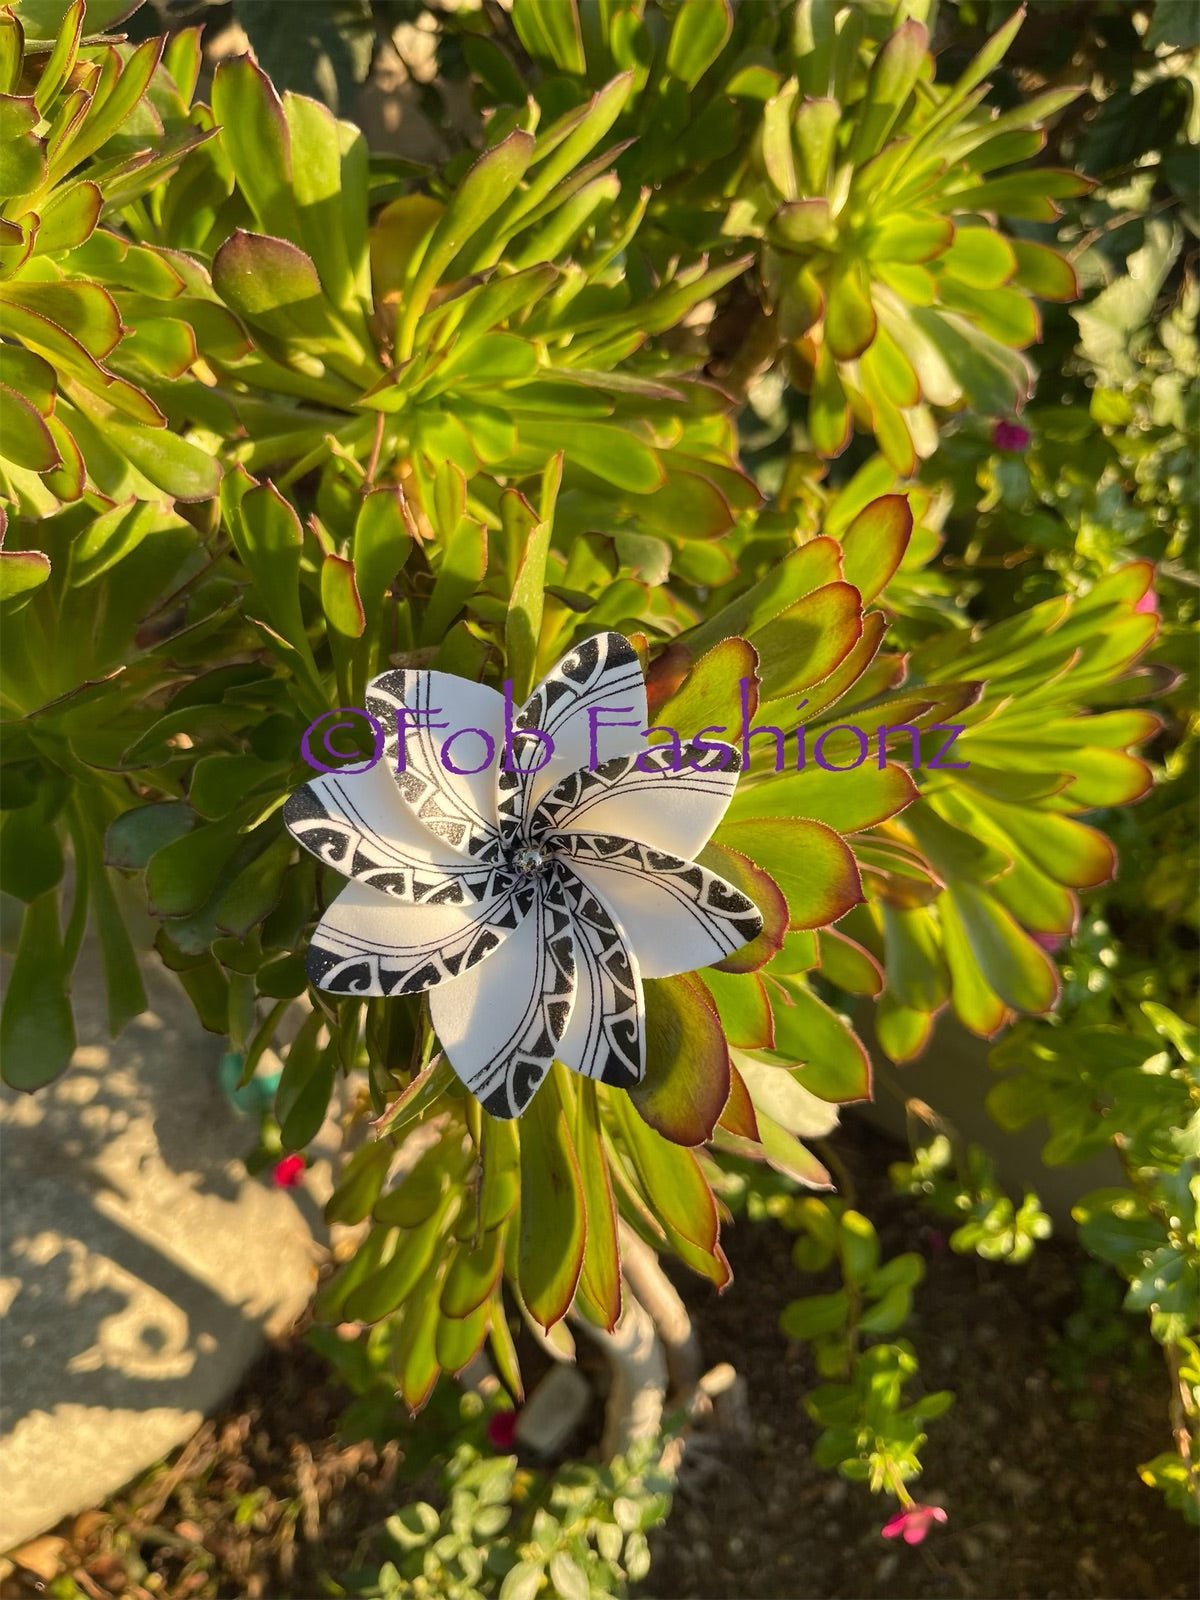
x,y
501,1023
644,797
452,722
676,914
366,944
357,824
597,683
605,1038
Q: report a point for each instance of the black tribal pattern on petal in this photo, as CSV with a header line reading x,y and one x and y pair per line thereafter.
x,y
447,812
705,770
608,1003
726,913
521,1061
601,667
353,964
323,817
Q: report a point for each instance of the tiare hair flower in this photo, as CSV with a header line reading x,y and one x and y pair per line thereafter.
x,y
530,896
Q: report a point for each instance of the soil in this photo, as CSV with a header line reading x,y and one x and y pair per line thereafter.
x,y
1035,1463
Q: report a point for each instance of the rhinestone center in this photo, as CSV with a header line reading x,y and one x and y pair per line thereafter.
x,y
529,861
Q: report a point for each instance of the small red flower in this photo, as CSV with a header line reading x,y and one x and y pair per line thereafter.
x,y
1010,436
502,1430
289,1172
913,1523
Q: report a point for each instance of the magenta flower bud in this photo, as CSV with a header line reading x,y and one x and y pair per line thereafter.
x,y
1010,436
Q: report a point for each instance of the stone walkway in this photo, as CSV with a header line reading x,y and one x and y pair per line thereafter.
x,y
141,1269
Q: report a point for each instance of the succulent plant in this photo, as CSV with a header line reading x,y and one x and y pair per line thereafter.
x,y
91,320
876,194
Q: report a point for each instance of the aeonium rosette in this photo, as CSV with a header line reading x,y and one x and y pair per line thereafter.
x,y
530,896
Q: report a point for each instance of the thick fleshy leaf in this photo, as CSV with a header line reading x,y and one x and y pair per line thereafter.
x,y
829,423
1019,970
553,1215
850,320
894,73
808,640
272,283
473,1276
677,1191
738,1117
787,1155
847,801
980,257
382,541
1043,271
952,852
254,130
340,599
305,1085
911,236
758,886
21,572
481,191
778,1094
1070,852
743,1007
394,1281
175,465
269,540
37,1028
330,230
687,1061
832,1061
22,154
25,440
976,1004
87,311
811,567
528,533
360,1183
697,39
845,962
69,218
798,223
811,863
874,544
712,699
916,970
463,564
1003,314
902,1032
457,1341
599,1288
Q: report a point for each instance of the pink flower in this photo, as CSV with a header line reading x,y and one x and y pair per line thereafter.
x,y
913,1523
1148,602
502,1429
1010,436
289,1172
1050,941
